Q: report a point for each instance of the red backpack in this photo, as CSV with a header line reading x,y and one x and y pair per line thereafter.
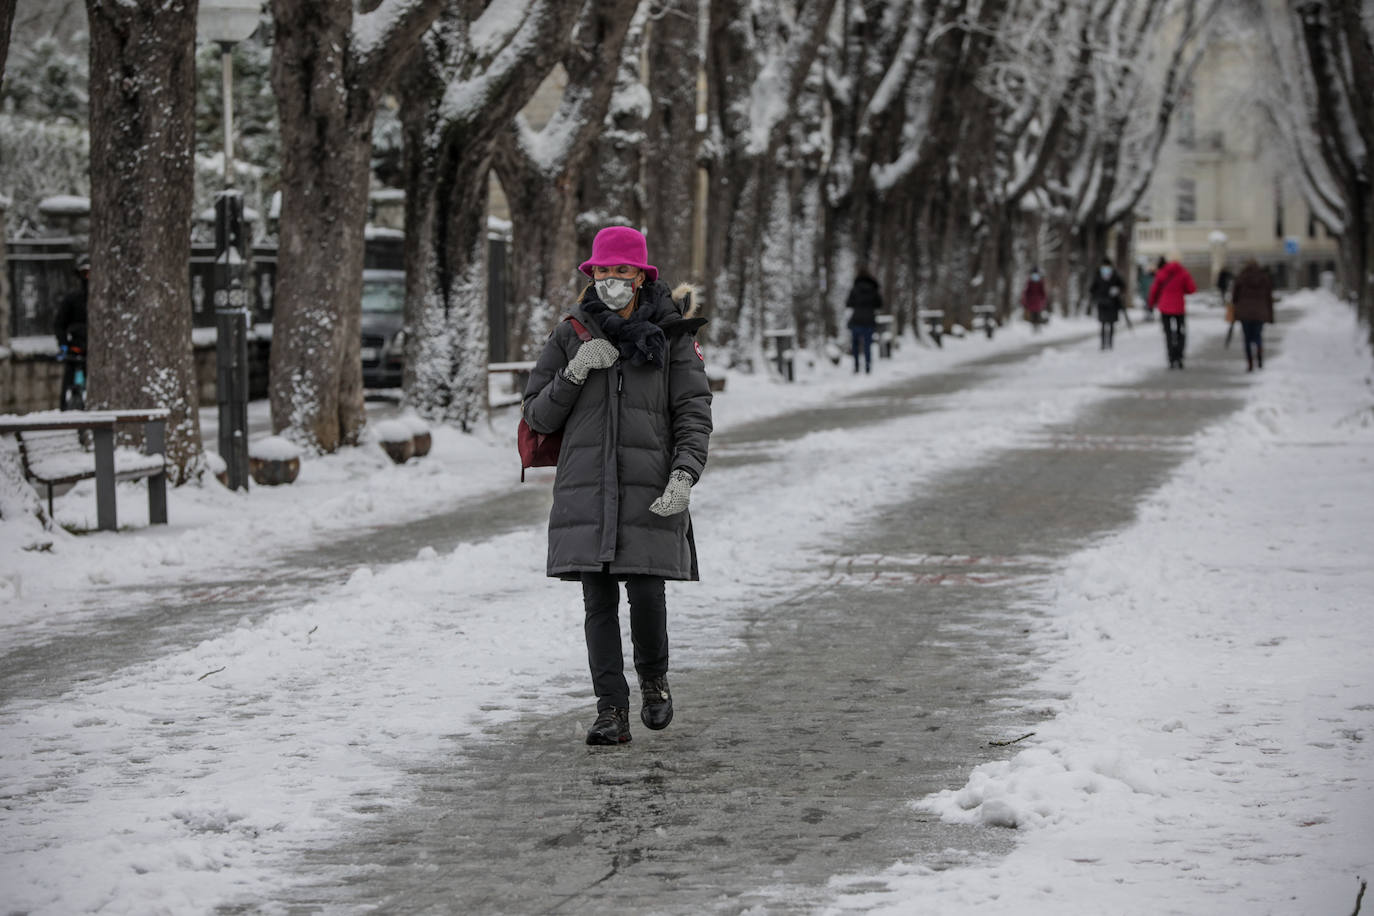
x,y
540,450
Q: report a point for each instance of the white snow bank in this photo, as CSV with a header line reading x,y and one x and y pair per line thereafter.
x,y
1210,752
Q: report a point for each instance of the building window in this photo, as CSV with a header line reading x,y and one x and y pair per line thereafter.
x,y
1187,122
1186,201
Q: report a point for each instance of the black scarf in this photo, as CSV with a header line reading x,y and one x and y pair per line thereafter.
x,y
639,339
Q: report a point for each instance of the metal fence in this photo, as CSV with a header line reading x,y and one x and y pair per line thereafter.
x,y
43,270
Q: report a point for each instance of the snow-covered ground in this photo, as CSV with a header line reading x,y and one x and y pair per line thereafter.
x,y
1217,657
1207,757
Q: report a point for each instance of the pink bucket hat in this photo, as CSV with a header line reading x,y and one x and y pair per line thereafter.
x,y
620,245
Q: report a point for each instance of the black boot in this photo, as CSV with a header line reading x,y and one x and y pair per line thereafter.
x,y
1259,357
612,726
657,710
1249,363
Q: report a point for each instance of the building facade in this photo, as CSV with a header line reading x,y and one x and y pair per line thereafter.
x,y
1222,192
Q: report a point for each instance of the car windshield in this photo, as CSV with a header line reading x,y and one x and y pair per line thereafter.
x,y
383,296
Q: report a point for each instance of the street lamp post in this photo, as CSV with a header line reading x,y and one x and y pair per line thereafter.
x,y
228,22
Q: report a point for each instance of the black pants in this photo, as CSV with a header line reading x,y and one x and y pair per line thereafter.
x,y
1254,336
1108,330
1175,335
648,632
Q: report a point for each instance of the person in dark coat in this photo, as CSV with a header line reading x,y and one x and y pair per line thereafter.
x,y
634,406
1224,280
1034,299
1105,292
1144,278
864,304
69,326
1171,285
1253,299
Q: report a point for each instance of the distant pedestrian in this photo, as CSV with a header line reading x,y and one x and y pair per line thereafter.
x,y
1106,296
634,407
1034,299
1224,279
1144,276
1172,282
864,304
69,326
1253,299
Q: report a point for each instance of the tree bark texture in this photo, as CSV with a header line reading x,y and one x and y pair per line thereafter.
x,y
447,160
1340,53
613,185
6,23
540,171
753,66
327,86
142,115
670,150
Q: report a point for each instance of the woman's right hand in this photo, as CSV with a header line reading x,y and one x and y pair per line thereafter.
x,y
597,353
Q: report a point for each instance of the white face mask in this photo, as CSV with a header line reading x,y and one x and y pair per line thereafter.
x,y
615,292
1035,276
1106,272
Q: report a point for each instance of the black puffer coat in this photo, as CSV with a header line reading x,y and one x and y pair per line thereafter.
x,y
624,430
1106,295
865,302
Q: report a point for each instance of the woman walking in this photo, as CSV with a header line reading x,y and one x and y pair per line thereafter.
x,y
864,304
1106,295
634,407
1172,282
1252,295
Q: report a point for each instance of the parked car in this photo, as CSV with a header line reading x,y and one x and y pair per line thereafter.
x,y
384,336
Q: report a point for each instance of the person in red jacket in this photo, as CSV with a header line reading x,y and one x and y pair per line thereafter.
x,y
1172,283
1034,299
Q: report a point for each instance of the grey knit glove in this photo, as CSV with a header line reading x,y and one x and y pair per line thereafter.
x,y
675,495
597,353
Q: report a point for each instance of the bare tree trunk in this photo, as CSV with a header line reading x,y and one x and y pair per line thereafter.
x,y
327,82
142,117
540,174
4,280
454,104
750,56
671,139
613,188
6,23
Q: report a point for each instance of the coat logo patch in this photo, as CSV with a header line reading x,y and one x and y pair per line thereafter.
x,y
697,346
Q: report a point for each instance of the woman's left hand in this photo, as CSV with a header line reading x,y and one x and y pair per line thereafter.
x,y
675,496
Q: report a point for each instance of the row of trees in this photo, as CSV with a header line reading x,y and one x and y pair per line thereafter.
x,y
945,144
1317,97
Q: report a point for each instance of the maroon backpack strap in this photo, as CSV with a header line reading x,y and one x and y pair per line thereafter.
x,y
581,330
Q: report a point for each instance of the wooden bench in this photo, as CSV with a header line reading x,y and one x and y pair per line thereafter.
x,y
986,315
935,323
520,377
52,453
886,337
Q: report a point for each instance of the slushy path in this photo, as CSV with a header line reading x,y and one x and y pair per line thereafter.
x,y
881,678
162,619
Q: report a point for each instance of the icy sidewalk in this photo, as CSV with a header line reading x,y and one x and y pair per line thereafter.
x,y
1211,753
188,780
216,535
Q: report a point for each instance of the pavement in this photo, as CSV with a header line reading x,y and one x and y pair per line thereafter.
x,y
882,677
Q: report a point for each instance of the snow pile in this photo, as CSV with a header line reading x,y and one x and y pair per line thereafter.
x,y
273,448
393,431
1214,661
